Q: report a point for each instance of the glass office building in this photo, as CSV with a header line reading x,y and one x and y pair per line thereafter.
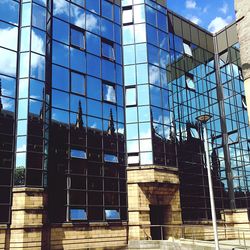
x,y
76,75
175,71
69,120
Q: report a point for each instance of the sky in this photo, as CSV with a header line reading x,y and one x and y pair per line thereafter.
x,y
212,15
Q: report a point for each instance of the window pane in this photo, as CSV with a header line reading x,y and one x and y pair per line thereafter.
x,y
112,214
190,83
74,153
127,16
37,66
60,99
9,11
107,9
94,88
39,17
77,60
78,214
108,51
8,36
77,38
146,158
60,31
187,49
93,43
109,93
60,78
38,41
77,83
60,54
8,62
110,158
130,96
128,34
194,133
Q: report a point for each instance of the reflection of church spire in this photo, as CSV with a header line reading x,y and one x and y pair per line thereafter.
x,y
1,105
152,121
111,127
43,106
79,121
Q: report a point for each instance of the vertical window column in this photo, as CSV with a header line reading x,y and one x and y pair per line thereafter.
x,y
32,114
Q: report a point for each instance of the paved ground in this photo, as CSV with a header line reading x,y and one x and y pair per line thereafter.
x,y
188,245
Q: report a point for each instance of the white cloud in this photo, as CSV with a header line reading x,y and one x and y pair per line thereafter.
x,y
7,104
110,96
205,9
7,62
191,4
195,19
219,23
224,8
60,7
8,38
37,43
91,22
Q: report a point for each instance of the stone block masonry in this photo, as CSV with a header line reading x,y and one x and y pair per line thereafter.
x,y
242,8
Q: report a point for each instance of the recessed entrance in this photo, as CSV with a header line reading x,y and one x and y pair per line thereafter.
x,y
156,220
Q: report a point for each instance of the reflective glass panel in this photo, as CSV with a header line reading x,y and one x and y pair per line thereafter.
x,y
108,51
77,83
110,158
130,96
74,153
77,38
109,93
112,214
78,214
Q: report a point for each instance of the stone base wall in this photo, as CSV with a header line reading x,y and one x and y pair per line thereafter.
x,y
242,8
66,236
75,237
157,186
3,236
31,230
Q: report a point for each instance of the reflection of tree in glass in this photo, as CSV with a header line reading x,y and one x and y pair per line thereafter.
x,y
20,176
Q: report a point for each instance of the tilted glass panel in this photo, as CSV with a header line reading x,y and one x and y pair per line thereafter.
x,y
187,49
110,158
75,153
78,214
108,51
77,38
112,214
127,16
109,94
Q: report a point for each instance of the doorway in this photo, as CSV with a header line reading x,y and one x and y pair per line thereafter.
x,y
157,219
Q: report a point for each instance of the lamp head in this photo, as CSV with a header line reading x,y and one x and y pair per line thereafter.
x,y
203,118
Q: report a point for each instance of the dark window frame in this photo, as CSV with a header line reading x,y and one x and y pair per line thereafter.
x,y
73,27
111,44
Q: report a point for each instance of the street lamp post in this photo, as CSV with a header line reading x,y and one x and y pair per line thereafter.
x,y
203,120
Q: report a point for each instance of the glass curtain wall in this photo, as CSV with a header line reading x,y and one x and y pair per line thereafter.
x,y
33,96
87,176
237,129
149,117
193,82
9,22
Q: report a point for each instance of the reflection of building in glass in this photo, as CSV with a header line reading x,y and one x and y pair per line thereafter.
x,y
63,157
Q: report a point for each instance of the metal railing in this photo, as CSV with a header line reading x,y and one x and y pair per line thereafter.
x,y
228,236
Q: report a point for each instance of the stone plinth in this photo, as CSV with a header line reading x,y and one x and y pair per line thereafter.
x,y
242,8
28,224
147,186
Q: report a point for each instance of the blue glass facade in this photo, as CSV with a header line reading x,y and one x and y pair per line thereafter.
x,y
149,116
76,75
